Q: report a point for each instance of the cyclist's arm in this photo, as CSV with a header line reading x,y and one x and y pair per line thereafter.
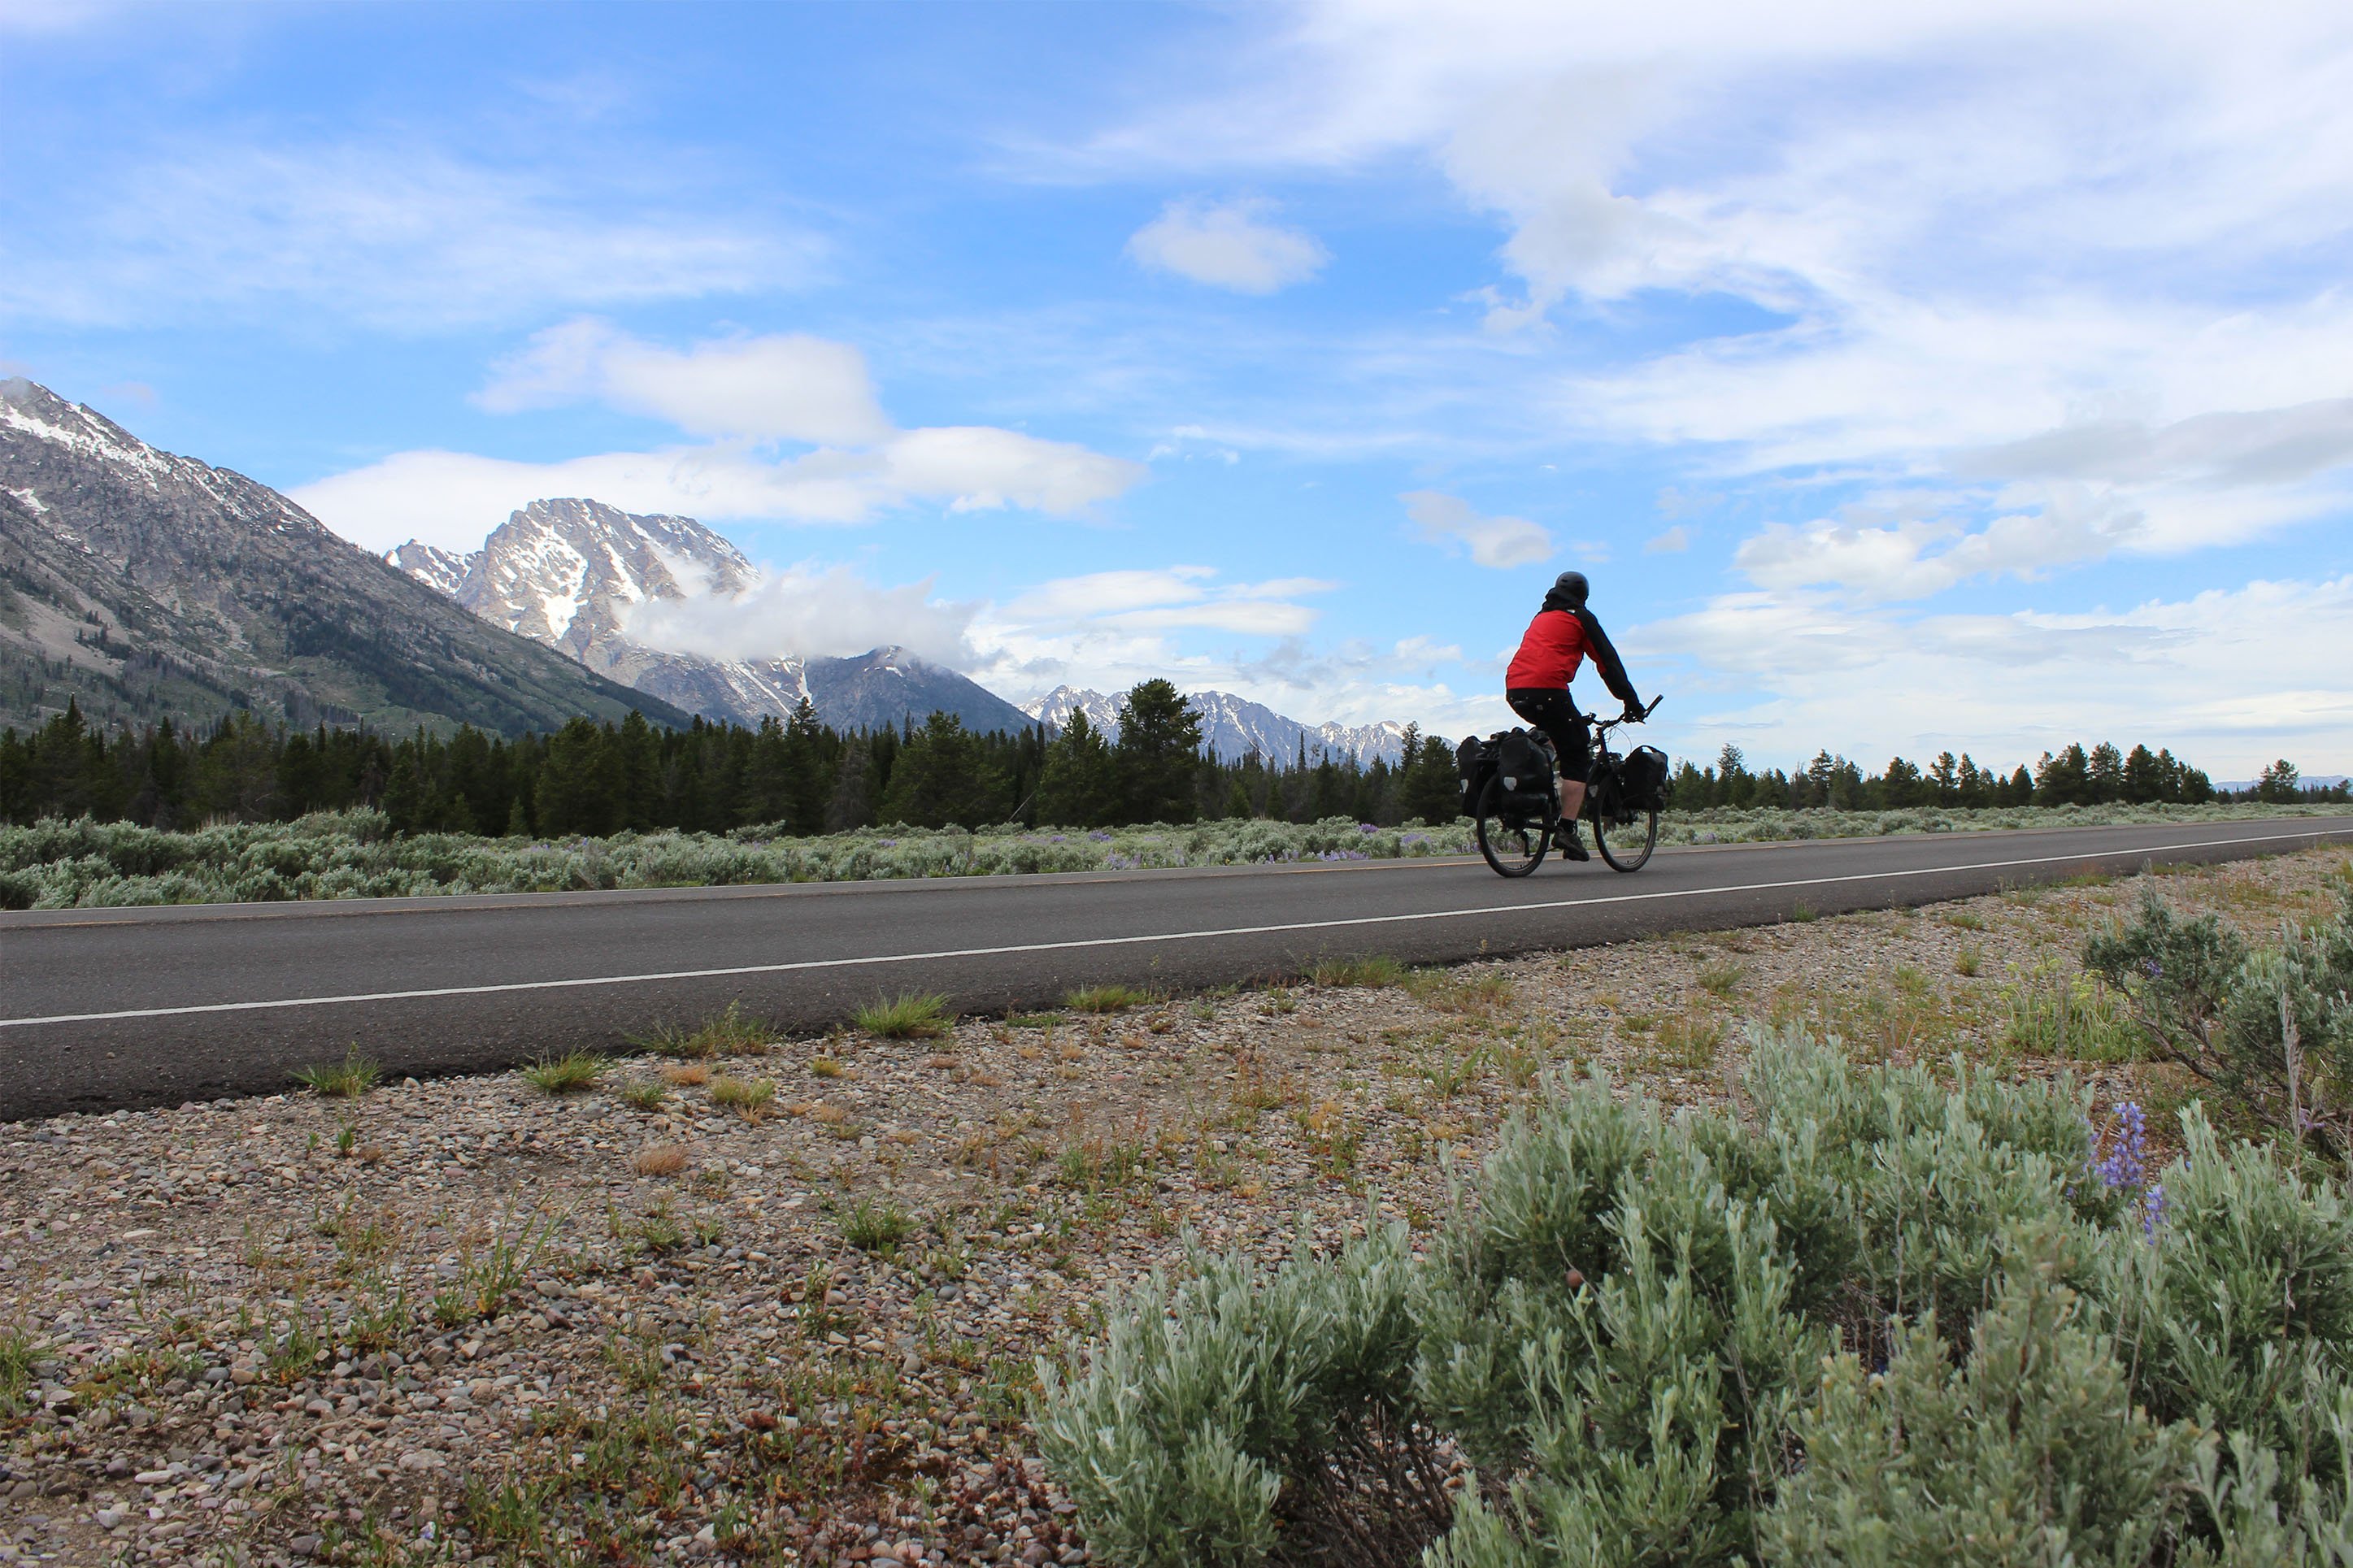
x,y
1606,659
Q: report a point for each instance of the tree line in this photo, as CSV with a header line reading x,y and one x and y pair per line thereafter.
x,y
798,776
795,777
2076,776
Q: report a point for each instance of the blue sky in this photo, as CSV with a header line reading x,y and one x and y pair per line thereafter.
x,y
1904,377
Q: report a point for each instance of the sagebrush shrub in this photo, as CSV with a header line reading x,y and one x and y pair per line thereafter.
x,y
1876,1317
2271,1028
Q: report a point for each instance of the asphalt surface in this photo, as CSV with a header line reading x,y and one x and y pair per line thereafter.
x,y
109,1008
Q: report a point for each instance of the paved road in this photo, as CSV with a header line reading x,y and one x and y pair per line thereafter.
x,y
105,1008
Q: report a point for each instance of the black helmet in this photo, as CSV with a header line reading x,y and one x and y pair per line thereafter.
x,y
1570,590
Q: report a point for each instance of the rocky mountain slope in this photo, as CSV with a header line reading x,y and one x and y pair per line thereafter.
x,y
1234,727
145,586
566,573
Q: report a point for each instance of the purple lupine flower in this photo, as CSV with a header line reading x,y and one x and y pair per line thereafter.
x,y
1100,836
2125,1163
2124,1166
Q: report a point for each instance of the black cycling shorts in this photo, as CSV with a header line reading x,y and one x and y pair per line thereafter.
x,y
1550,709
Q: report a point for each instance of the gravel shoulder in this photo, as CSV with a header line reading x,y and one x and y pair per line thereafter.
x,y
782,1302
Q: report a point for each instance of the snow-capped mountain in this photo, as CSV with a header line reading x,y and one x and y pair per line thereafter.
x,y
1234,727
1054,709
566,573
144,584
432,565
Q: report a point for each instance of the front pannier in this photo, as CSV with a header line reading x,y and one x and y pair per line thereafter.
x,y
1645,775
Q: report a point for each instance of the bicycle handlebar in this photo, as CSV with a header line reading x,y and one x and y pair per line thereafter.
x,y
1601,725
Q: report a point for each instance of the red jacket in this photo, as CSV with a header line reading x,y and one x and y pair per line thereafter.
x,y
1555,645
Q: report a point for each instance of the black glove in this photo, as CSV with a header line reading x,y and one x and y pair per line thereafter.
x,y
1634,710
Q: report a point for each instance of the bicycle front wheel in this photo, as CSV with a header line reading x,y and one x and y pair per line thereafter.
x,y
1627,847
1513,848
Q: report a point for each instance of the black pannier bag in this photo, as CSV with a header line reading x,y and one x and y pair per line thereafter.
x,y
1526,766
1474,759
1645,775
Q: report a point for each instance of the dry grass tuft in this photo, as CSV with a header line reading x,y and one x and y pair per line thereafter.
x,y
659,1160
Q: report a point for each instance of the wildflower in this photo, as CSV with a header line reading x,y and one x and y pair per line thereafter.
x,y
2125,1163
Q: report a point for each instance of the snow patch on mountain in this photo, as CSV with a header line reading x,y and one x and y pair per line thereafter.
x,y
438,569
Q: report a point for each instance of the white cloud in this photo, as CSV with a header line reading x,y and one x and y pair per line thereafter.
x,y
401,235
1110,628
785,387
753,391
977,467
814,611
1673,541
1250,617
455,498
1227,245
1105,593
2244,674
1500,543
1916,558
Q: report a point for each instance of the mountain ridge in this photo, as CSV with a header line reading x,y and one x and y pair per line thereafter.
x,y
1234,726
144,585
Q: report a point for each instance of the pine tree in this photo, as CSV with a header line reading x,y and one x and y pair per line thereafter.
x,y
573,794
851,805
1237,801
942,777
1080,785
1158,752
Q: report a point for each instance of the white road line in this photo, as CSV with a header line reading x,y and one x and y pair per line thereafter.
x,y
1134,940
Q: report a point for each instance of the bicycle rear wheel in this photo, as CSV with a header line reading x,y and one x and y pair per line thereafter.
x,y
1512,848
1627,847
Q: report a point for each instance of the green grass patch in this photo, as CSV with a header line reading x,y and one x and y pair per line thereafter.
x,y
16,1369
644,1096
1095,1164
745,1096
872,1227
2073,1016
566,1074
729,1033
1722,978
345,1079
1369,973
1106,999
914,1016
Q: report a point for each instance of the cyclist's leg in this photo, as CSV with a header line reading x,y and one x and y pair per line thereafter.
x,y
1572,744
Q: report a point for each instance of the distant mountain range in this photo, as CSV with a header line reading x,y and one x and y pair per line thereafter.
x,y
565,574
1233,727
145,585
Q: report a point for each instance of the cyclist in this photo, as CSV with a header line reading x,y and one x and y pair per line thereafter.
x,y
1536,686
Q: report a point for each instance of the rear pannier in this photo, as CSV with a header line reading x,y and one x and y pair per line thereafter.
x,y
1474,760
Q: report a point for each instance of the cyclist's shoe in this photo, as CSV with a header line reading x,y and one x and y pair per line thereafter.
x,y
1565,838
